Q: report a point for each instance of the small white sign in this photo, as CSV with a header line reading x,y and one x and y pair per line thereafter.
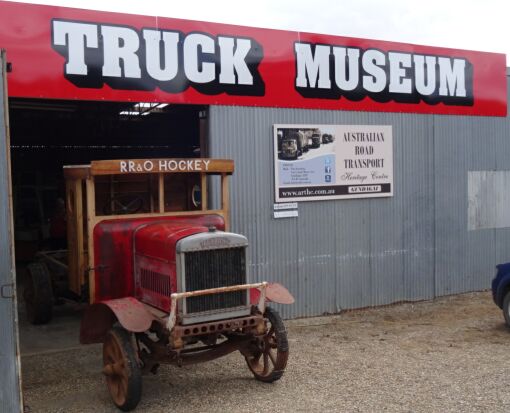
x,y
285,205
286,214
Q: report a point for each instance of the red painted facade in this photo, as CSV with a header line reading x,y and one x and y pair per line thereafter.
x,y
37,50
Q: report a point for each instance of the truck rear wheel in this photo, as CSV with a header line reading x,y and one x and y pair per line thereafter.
x,y
267,357
38,293
121,369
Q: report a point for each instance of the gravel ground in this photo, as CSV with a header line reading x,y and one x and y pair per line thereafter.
x,y
446,355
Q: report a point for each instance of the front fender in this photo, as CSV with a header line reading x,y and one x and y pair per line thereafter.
x,y
100,317
275,293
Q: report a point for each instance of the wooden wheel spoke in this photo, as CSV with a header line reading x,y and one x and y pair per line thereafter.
x,y
271,357
119,357
124,384
112,354
266,364
120,389
255,359
109,352
118,368
272,343
117,352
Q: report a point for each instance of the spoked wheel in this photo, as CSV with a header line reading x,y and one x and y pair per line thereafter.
x,y
121,369
38,293
267,357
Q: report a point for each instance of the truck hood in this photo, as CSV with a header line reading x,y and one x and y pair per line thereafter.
x,y
114,245
164,239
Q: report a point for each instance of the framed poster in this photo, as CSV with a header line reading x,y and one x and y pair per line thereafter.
x,y
320,162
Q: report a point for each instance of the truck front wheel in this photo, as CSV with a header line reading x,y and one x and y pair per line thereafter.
x,y
267,356
121,369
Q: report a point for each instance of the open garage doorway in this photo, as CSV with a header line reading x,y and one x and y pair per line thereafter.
x,y
48,134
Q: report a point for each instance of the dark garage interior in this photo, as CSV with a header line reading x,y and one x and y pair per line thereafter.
x,y
48,134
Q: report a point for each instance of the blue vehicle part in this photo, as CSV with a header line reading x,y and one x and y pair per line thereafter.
x,y
501,283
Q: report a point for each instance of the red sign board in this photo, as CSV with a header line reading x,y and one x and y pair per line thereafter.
x,y
64,53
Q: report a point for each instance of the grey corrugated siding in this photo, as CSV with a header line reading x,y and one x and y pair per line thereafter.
x,y
347,254
9,362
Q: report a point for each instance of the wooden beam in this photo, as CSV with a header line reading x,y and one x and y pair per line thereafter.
x,y
91,221
225,200
76,171
157,214
75,236
203,191
80,240
161,192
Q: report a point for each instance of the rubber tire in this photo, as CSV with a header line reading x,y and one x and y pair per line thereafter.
x,y
506,308
38,293
283,345
134,387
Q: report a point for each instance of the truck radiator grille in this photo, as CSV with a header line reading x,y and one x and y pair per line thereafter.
x,y
213,269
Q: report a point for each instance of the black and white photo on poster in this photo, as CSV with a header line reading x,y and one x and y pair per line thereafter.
x,y
318,162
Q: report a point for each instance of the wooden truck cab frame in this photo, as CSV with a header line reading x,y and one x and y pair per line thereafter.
x,y
83,216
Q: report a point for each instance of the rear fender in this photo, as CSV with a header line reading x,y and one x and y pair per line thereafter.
x,y
100,317
275,293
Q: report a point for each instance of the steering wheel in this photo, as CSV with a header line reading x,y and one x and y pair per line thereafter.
x,y
123,205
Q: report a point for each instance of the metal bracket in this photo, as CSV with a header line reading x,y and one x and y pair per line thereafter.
x,y
4,288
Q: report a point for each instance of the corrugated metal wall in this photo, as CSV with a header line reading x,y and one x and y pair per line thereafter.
x,y
10,391
347,254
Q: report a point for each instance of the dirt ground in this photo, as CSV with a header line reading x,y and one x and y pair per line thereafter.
x,y
447,355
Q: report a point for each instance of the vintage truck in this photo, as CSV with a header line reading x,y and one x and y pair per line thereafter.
x,y
316,138
290,147
166,281
302,141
